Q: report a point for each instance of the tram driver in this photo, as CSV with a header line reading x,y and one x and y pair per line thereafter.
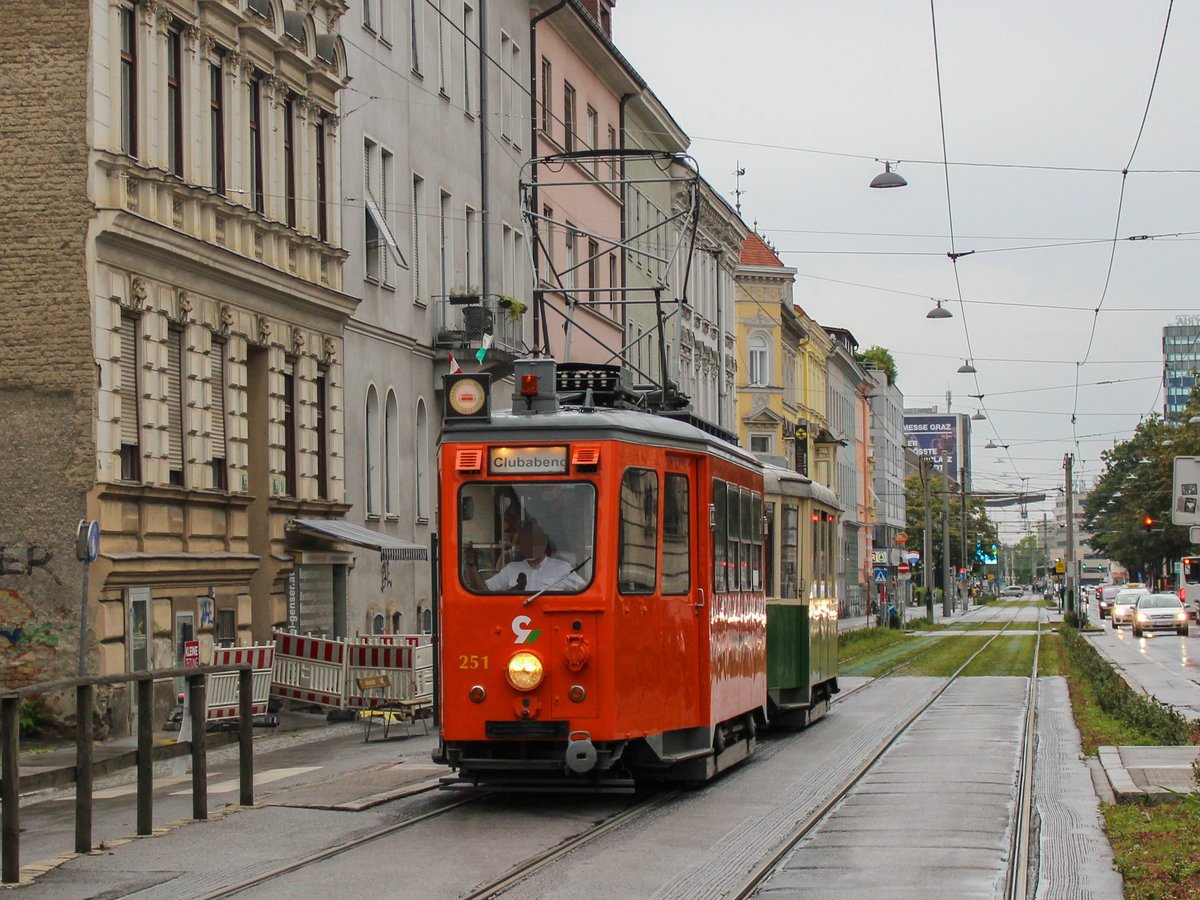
x,y
535,571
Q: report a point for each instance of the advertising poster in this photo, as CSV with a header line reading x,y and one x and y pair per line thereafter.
x,y
934,437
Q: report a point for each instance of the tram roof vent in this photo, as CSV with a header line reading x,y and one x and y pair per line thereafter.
x,y
535,387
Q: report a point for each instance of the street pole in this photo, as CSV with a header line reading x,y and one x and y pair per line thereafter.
x,y
962,489
947,575
1068,463
927,568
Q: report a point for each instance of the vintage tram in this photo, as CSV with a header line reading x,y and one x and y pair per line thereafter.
x,y
602,615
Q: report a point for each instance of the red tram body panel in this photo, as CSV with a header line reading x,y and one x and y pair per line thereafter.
x,y
601,612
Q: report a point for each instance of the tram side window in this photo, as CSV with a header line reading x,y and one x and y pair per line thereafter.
x,y
637,551
789,587
771,570
720,530
756,541
733,545
677,564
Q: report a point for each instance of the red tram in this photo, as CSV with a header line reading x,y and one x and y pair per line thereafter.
x,y
601,613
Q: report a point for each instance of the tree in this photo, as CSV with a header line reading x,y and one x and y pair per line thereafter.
x,y
1137,482
879,358
979,526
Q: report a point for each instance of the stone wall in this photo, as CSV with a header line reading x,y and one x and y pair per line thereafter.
x,y
47,367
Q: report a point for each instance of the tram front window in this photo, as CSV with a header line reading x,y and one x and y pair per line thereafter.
x,y
525,537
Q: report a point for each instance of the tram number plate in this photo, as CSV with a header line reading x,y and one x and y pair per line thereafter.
x,y
472,662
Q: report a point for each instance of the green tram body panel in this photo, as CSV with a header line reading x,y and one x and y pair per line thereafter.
x,y
801,652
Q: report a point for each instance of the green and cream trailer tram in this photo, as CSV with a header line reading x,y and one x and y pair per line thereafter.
x,y
801,587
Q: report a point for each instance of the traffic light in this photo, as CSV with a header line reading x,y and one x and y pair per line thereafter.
x,y
1148,523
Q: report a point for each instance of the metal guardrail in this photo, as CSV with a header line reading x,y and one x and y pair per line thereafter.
x,y
462,323
85,770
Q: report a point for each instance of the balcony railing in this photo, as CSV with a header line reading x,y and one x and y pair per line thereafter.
x,y
464,322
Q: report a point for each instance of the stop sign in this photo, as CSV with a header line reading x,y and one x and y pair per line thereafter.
x,y
903,568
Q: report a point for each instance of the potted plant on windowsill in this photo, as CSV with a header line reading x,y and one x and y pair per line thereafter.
x,y
468,297
513,308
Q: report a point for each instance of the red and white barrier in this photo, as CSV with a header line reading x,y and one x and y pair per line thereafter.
x,y
221,690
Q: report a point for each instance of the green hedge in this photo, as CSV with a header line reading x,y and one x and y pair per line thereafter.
x,y
1162,723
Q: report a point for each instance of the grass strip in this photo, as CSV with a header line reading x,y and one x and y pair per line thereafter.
x,y
943,657
1108,711
1157,848
1004,656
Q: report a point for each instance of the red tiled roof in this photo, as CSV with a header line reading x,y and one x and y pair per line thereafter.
x,y
755,252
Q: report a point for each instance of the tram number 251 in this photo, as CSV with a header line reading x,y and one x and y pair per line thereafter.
x,y
472,662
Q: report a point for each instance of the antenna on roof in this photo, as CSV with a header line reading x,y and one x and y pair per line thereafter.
x,y
737,190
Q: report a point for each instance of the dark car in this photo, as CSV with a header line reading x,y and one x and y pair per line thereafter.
x,y
1159,612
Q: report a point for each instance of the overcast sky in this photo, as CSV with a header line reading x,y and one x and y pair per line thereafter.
x,y
805,95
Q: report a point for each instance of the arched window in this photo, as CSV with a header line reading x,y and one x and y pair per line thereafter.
x,y
372,450
422,457
759,352
377,622
427,621
391,455
395,623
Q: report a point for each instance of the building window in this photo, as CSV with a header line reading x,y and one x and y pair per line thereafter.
x,y
227,627
175,380
385,21
414,29
760,360
374,241
129,77
506,92
545,92
175,102
568,117
289,427
469,42
760,443
256,154
444,248
216,382
443,68
322,213
593,133
131,455
368,17
289,158
612,147
216,125
612,282
391,455
572,262
516,105
593,252
418,238
322,436
422,467
372,436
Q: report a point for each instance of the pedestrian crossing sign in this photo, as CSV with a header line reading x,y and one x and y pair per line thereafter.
x,y
881,576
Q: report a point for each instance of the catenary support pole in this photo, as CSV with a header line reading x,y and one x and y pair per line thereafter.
x,y
927,564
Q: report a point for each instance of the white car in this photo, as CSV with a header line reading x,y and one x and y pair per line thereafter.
x,y
1123,603
1013,591
1159,612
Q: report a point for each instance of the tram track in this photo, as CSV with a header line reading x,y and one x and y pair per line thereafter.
x,y
1017,874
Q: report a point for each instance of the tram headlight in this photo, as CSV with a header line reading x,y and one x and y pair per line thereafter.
x,y
524,671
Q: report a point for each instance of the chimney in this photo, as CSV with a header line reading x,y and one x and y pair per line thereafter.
x,y
601,11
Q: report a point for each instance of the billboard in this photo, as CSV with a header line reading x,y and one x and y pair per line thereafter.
x,y
936,438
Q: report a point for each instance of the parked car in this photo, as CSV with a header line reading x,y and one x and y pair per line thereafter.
x,y
1123,603
1013,591
1159,612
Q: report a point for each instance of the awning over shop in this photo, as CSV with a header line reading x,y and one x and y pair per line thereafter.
x,y
389,548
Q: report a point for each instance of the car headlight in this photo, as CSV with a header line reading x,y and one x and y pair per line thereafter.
x,y
1142,617
524,671
1181,616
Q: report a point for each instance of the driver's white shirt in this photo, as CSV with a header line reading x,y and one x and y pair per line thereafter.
x,y
550,573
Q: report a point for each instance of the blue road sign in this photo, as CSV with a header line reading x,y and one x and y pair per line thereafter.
x,y
881,576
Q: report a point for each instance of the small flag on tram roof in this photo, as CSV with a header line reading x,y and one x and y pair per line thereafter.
x,y
482,351
455,368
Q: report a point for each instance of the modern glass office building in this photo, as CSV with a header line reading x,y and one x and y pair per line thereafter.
x,y
1181,360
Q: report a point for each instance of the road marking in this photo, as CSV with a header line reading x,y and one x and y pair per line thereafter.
x,y
260,778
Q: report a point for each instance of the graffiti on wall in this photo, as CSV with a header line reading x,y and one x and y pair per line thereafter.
x,y
24,559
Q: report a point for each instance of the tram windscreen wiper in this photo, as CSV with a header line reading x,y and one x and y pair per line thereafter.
x,y
533,597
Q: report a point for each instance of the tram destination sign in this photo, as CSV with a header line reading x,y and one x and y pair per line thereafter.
x,y
527,460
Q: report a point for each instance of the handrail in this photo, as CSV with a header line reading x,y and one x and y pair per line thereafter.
x,y
84,770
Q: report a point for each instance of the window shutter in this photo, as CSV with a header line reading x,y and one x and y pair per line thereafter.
x,y
174,404
217,383
129,381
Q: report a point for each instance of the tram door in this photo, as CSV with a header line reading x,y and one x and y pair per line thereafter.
x,y
683,595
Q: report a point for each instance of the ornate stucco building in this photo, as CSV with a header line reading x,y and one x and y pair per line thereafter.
x,y
185,251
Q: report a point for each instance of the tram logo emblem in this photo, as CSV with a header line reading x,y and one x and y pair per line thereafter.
x,y
525,635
